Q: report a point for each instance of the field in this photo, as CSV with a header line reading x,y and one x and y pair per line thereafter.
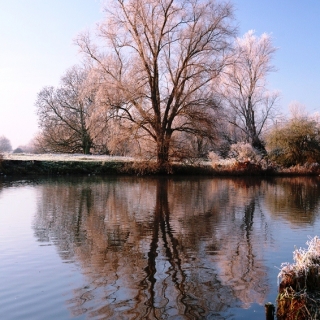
x,y
62,157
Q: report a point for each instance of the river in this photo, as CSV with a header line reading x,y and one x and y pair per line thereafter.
x,y
149,247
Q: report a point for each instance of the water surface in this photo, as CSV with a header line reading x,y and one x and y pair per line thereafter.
x,y
149,248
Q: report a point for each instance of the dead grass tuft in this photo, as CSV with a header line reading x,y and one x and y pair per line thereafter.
x,y
299,288
146,168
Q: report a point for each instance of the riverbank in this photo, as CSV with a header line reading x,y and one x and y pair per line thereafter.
x,y
94,167
64,164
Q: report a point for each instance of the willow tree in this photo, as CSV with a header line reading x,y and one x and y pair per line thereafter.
x,y
158,64
249,103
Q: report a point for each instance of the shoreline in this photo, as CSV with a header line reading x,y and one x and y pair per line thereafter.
x,y
85,165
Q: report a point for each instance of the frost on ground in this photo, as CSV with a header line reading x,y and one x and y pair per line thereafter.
x,y
72,157
299,288
63,157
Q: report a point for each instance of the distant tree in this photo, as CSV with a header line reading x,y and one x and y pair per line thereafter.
x,y
249,105
30,147
5,144
18,150
295,141
161,63
64,114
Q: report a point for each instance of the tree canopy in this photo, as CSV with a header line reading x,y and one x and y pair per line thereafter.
x,y
158,68
64,114
295,141
249,105
5,144
164,80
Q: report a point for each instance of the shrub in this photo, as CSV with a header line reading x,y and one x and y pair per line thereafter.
x,y
215,159
17,150
247,166
242,157
244,152
295,142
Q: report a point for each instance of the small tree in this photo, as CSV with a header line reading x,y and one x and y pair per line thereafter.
x,y
5,144
64,114
295,142
249,105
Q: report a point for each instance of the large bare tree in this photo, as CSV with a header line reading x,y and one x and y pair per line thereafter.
x,y
249,104
158,66
64,114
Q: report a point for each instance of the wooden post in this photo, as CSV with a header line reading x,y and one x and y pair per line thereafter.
x,y
269,307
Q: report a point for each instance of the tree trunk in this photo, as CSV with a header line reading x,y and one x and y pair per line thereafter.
x,y
252,130
86,143
257,144
163,153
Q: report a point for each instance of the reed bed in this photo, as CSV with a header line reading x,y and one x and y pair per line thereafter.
x,y
299,284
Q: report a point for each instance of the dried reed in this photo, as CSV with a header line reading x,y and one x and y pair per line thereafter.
x,y
299,287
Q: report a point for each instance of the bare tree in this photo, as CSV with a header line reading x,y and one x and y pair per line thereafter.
x,y
5,144
249,104
159,64
64,114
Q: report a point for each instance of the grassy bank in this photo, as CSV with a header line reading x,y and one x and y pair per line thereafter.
x,y
63,164
38,167
47,167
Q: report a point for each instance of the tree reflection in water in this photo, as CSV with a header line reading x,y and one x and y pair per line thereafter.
x,y
294,199
159,248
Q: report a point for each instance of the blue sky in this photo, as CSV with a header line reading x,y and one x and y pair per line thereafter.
x,y
295,29
36,47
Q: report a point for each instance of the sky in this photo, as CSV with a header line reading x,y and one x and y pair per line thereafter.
x,y
36,48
